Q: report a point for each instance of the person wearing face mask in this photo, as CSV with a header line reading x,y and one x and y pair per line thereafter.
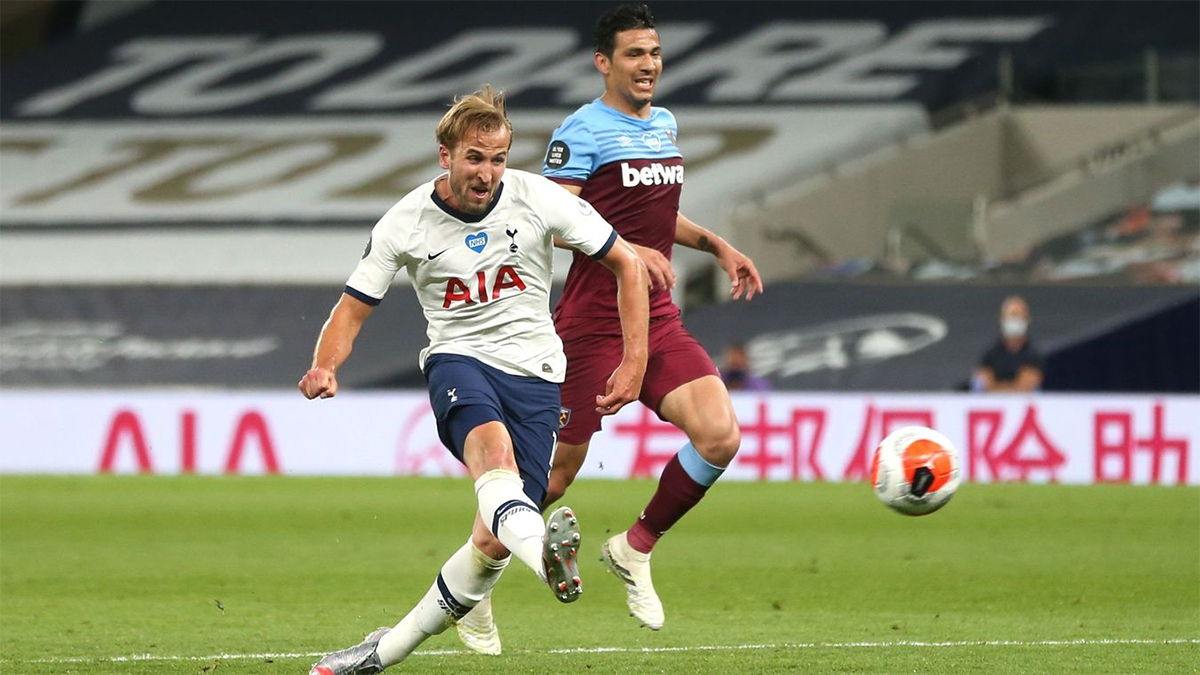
x,y
735,371
1013,363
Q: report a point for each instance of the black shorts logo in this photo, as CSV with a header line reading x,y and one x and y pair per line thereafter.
x,y
558,155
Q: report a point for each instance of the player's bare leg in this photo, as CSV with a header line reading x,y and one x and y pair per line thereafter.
x,y
703,410
505,521
477,629
462,582
568,460
505,510
547,547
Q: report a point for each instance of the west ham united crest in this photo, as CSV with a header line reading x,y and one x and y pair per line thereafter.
x,y
564,416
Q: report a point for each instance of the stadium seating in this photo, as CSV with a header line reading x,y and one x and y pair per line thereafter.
x,y
223,168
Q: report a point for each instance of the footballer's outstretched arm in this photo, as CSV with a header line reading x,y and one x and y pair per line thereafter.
x,y
334,346
743,275
633,303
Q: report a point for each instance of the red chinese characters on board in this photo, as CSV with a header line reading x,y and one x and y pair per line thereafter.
x,y
1026,454
776,443
1117,444
877,424
791,444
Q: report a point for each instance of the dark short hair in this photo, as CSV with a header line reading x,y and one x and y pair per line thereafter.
x,y
618,19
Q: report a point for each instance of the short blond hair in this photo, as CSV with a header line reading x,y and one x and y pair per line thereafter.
x,y
483,110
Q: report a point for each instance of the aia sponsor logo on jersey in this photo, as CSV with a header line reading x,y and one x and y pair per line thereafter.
x,y
651,174
476,290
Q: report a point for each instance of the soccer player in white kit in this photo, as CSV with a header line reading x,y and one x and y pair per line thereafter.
x,y
477,245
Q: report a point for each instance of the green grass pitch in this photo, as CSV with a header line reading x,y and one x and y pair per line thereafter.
x,y
256,575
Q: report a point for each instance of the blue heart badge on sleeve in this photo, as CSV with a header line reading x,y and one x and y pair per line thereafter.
x,y
476,242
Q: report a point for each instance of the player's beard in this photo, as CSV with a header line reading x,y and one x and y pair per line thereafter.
x,y
468,202
472,204
638,98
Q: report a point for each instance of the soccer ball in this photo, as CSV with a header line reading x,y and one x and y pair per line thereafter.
x,y
915,471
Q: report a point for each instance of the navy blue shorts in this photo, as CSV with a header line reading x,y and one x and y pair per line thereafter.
x,y
465,393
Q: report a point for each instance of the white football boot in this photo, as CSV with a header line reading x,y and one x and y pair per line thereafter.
x,y
361,659
633,567
477,629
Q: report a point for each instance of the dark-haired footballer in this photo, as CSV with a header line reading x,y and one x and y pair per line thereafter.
x,y
619,153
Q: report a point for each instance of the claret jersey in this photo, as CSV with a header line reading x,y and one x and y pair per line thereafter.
x,y
631,170
484,281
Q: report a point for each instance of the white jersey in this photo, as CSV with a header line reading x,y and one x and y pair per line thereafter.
x,y
484,281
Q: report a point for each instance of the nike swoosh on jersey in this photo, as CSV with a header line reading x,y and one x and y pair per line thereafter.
x,y
434,255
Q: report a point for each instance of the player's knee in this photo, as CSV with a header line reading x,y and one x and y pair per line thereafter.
x,y
500,456
493,449
489,545
719,443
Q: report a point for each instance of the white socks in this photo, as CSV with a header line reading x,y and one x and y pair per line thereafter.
x,y
511,517
469,575
463,581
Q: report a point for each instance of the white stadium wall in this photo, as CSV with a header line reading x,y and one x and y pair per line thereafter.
x,y
1045,438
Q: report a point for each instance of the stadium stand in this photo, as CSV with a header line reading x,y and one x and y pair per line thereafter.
x,y
184,190
976,194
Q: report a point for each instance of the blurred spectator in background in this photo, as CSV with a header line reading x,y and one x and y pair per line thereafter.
x,y
1012,364
735,371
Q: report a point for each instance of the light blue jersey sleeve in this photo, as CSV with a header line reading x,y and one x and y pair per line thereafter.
x,y
671,125
573,153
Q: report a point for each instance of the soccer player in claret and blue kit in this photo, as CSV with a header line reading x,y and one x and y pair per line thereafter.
x,y
619,153
477,244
